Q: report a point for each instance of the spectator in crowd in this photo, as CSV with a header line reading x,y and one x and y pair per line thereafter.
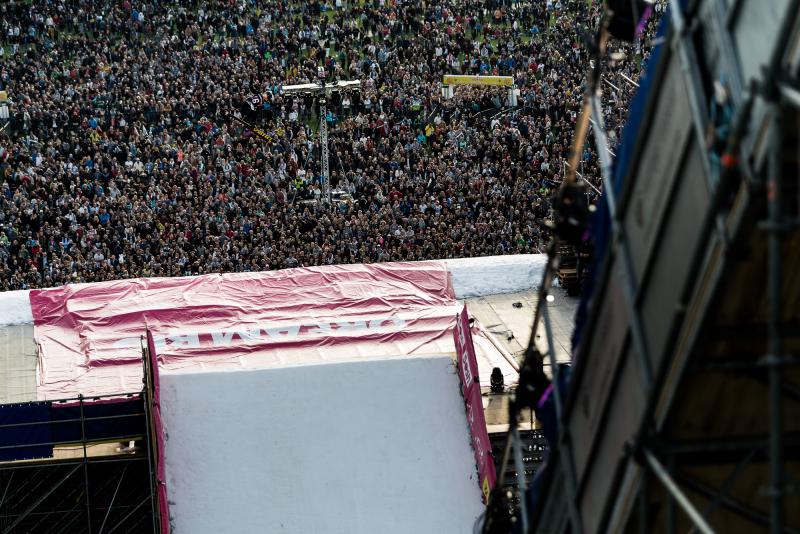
x,y
121,159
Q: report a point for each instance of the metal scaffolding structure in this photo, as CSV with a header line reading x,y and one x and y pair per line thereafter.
x,y
82,465
98,490
324,92
685,393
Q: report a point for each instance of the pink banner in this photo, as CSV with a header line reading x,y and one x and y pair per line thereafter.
x,y
470,387
89,335
158,427
465,352
480,441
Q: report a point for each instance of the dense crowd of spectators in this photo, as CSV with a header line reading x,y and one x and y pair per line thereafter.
x,y
121,158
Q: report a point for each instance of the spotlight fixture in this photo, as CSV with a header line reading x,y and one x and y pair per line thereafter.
x,y
497,380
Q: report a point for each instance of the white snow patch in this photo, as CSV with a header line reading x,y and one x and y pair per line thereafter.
x,y
494,275
15,308
360,447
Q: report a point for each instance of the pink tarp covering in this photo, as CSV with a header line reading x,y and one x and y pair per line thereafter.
x,y
90,335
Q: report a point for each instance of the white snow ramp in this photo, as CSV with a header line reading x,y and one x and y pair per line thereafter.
x,y
355,447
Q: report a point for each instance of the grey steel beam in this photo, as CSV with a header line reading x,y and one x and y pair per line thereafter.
x,y
75,510
85,469
122,458
150,439
669,484
790,94
688,59
729,503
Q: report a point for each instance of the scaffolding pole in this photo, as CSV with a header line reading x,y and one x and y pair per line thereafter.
x,y
673,489
323,145
775,95
85,469
775,351
150,438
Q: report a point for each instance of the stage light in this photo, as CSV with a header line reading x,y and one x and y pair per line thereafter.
x,y
497,380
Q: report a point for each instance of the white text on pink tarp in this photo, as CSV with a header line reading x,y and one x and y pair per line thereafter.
x,y
226,338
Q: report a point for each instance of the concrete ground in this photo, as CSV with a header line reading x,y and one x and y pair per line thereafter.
x,y
511,327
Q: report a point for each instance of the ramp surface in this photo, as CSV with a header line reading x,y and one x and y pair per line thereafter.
x,y
353,447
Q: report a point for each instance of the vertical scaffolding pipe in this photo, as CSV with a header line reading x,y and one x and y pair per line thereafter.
x,y
772,75
551,353
147,400
670,503
85,469
775,349
323,146
151,481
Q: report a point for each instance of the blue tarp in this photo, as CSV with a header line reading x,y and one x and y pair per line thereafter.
x,y
112,425
20,438
36,426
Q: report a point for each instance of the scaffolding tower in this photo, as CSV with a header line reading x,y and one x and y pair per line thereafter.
x,y
324,92
80,465
683,408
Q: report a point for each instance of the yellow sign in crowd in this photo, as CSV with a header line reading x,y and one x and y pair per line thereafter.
x,y
459,79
